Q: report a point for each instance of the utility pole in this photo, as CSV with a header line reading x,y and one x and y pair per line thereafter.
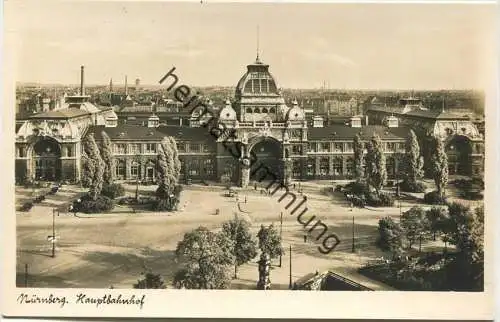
x,y
353,248
290,282
281,232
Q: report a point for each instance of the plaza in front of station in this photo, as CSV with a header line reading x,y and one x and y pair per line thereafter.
x,y
112,250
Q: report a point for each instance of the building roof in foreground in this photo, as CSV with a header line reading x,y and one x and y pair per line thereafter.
x,y
60,114
344,132
144,133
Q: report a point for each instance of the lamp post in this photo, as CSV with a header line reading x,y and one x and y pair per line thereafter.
x,y
353,247
54,232
281,232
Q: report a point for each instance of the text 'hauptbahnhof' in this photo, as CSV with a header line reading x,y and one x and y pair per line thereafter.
x,y
48,144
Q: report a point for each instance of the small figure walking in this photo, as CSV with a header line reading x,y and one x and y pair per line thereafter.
x,y
255,186
245,199
305,238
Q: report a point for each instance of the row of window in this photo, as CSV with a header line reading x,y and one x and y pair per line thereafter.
x,y
151,148
349,146
337,167
194,167
271,110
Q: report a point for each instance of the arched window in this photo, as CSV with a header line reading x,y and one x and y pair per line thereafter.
x,y
134,169
324,165
391,166
349,166
264,110
272,110
70,152
249,110
208,165
257,110
120,169
311,166
337,166
296,169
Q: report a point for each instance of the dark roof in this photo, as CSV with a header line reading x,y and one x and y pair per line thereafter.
x,y
18,126
429,114
343,132
63,114
144,133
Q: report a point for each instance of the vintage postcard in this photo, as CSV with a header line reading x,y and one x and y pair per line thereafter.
x,y
251,159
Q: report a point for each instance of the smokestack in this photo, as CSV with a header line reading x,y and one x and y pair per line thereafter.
x,y
126,85
82,74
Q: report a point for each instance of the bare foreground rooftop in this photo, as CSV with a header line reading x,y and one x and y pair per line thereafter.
x,y
104,250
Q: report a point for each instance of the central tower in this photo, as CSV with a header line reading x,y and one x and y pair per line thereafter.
x,y
257,96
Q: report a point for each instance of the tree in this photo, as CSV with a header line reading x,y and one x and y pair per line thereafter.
x,y
440,167
176,163
465,271
150,281
107,158
414,224
88,169
270,241
434,217
92,151
168,168
245,246
413,161
358,157
207,256
390,236
376,171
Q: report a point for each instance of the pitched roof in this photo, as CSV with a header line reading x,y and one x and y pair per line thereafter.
x,y
343,132
429,114
62,113
144,133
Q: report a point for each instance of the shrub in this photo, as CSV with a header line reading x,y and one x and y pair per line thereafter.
x,y
380,200
90,206
433,198
412,186
39,199
113,190
27,206
357,188
338,188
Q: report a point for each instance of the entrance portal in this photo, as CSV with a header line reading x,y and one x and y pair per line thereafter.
x,y
46,159
268,153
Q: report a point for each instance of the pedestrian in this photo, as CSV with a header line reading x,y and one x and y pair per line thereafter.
x,y
305,238
245,199
294,186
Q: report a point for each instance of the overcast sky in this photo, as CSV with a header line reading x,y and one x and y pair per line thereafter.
x,y
384,46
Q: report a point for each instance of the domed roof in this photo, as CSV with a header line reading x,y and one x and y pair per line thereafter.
x,y
295,113
257,81
227,113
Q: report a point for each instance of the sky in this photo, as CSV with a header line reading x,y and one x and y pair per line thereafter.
x,y
345,46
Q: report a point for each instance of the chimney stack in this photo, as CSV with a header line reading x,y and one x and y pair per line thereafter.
x,y
82,88
126,85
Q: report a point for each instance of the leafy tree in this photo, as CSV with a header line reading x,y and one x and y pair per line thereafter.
x,y
434,217
376,171
92,151
88,169
206,256
245,246
413,161
358,158
390,236
414,224
440,167
107,158
270,241
176,163
465,271
150,281
168,168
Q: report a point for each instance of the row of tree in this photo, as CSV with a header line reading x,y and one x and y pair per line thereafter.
x,y
372,165
168,173
97,164
456,224
207,256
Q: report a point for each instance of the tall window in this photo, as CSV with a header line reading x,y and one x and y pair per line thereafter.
x,y
312,147
134,148
311,166
390,166
134,170
338,147
120,169
337,166
296,169
70,151
194,148
391,146
325,147
150,147
208,165
297,149
194,167
349,147
324,166
349,166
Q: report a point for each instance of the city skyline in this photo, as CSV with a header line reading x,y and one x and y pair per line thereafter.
x,y
371,46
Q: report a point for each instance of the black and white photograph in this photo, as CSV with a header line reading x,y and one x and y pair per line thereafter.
x,y
170,147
